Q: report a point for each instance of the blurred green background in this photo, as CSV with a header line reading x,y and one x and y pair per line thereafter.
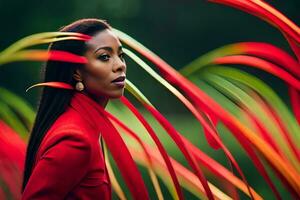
x,y
179,31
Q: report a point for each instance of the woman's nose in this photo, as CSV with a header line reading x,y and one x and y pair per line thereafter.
x,y
119,65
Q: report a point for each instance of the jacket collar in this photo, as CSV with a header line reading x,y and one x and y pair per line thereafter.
x,y
88,110
97,117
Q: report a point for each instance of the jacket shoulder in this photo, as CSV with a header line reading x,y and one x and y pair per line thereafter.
x,y
68,127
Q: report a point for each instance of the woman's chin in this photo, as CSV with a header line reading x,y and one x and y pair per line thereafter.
x,y
116,96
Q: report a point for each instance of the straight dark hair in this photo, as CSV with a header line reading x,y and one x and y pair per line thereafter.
x,y
54,101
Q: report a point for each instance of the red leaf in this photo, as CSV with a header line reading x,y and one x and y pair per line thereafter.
x,y
52,84
295,47
261,64
295,102
54,55
66,57
14,147
267,13
271,53
12,158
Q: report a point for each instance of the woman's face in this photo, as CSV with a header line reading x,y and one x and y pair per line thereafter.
x,y
104,74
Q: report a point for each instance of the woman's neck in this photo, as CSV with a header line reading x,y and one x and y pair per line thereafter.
x,y
102,101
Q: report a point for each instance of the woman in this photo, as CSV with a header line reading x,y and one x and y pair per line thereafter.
x,y
64,159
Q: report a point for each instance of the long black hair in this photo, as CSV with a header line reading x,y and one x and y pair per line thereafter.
x,y
54,101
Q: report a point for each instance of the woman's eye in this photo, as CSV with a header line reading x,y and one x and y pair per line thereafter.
x,y
122,55
104,57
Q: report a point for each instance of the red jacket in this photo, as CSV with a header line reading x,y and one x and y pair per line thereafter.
x,y
70,163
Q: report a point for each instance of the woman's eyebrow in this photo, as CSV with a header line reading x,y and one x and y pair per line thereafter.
x,y
108,49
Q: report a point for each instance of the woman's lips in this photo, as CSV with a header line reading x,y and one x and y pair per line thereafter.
x,y
119,79
119,83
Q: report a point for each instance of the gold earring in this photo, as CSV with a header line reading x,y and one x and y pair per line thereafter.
x,y
79,86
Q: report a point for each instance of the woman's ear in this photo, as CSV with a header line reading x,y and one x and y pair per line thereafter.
x,y
77,75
